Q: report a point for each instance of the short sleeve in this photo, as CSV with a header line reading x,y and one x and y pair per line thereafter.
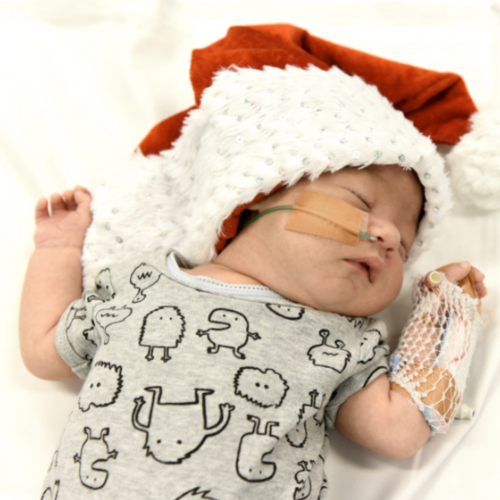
x,y
373,361
75,337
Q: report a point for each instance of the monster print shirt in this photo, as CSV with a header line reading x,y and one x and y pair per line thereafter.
x,y
198,389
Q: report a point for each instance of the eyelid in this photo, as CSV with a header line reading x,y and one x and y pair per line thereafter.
x,y
362,200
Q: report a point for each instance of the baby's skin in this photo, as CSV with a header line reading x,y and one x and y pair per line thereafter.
x,y
318,272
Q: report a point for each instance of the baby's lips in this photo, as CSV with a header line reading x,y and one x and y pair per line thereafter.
x,y
375,266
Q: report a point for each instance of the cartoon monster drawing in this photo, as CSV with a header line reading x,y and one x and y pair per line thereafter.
x,y
107,317
94,451
288,312
323,489
162,328
356,322
103,285
51,493
176,430
102,386
77,324
371,339
92,335
196,493
298,435
263,388
303,478
233,332
254,447
143,277
91,297
329,356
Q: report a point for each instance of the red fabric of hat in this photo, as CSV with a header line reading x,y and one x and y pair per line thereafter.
x,y
437,103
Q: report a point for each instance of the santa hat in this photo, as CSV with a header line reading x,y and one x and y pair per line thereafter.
x,y
274,104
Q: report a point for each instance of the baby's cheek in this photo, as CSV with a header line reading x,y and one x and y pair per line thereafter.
x,y
394,279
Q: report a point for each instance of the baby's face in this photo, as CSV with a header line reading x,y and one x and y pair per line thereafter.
x,y
331,276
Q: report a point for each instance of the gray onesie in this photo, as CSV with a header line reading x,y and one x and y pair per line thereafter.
x,y
198,389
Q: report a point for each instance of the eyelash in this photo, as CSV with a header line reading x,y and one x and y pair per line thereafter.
x,y
362,200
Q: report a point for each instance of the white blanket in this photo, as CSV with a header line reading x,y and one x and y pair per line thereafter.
x,y
82,82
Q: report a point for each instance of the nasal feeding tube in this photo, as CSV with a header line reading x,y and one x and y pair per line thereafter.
x,y
325,216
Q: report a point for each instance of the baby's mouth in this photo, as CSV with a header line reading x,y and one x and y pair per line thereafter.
x,y
371,267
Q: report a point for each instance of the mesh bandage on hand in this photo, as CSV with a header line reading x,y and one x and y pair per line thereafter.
x,y
431,363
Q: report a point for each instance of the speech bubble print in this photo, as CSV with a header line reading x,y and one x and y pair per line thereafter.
x,y
356,322
196,493
111,316
287,312
102,386
263,388
143,277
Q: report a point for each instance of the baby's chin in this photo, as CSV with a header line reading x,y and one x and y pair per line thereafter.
x,y
368,304
361,310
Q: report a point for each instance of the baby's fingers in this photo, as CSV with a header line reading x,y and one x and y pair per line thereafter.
x,y
82,189
457,272
479,282
41,210
57,203
69,199
82,199
73,197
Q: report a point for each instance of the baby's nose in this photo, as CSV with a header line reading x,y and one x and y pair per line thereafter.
x,y
387,233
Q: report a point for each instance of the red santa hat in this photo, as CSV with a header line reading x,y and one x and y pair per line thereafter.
x,y
274,104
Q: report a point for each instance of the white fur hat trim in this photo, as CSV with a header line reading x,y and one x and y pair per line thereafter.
x,y
474,162
254,130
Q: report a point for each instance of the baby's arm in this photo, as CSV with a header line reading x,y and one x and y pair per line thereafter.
x,y
385,421
53,279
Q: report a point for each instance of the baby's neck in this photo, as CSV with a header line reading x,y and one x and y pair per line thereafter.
x,y
222,273
240,263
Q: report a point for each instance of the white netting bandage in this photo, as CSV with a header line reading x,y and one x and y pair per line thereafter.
x,y
432,360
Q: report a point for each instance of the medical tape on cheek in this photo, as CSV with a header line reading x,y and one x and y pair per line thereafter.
x,y
328,217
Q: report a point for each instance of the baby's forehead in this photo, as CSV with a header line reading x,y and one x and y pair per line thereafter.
x,y
375,176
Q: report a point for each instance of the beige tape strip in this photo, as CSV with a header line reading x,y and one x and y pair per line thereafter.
x,y
328,217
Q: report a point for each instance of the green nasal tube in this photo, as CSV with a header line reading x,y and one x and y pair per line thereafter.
x,y
368,237
275,209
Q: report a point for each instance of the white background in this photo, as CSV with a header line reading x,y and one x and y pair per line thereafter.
x,y
82,82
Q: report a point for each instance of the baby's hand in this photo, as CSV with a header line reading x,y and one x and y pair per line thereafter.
x,y
68,221
456,272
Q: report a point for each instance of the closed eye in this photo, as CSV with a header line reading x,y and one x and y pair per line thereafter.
x,y
360,198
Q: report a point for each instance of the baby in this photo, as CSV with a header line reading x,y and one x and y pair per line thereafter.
x,y
318,273
218,381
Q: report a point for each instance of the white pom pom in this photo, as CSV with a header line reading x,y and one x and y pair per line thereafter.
x,y
475,163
